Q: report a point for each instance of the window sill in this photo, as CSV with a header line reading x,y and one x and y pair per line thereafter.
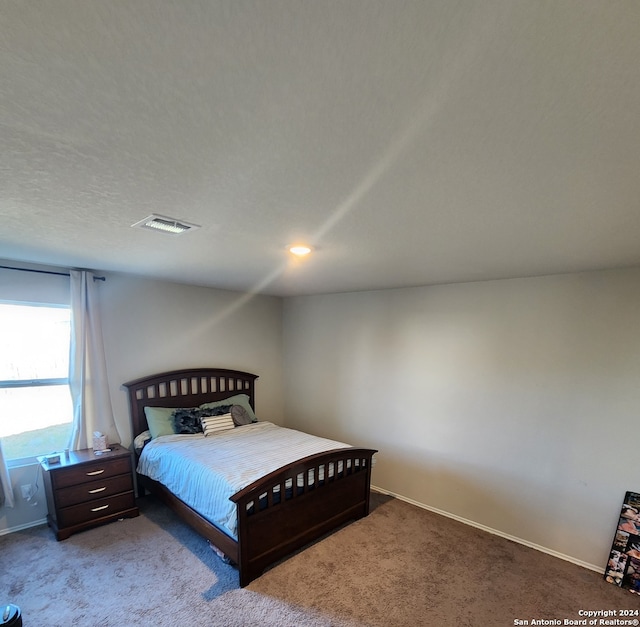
x,y
22,462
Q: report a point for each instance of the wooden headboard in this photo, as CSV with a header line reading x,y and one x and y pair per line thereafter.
x,y
185,388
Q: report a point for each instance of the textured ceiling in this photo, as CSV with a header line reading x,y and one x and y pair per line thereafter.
x,y
410,142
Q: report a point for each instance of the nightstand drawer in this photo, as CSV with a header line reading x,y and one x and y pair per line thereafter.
x,y
85,473
93,510
94,490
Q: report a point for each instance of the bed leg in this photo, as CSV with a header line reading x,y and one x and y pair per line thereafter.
x,y
246,579
140,490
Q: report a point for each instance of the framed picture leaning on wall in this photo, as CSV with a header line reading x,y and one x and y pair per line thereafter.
x,y
623,567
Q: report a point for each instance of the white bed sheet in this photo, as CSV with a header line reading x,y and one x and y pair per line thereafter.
x,y
205,472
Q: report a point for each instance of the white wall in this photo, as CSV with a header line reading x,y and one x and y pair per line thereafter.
x,y
154,326
513,404
24,513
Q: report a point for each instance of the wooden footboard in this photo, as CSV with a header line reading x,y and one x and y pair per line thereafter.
x,y
297,504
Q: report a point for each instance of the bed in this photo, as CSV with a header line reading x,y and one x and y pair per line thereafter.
x,y
275,514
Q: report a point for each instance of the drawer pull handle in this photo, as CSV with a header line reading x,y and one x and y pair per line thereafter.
x,y
95,472
97,509
97,490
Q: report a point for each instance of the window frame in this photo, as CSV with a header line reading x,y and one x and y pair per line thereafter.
x,y
33,383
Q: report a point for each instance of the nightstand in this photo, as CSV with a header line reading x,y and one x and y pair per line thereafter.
x,y
86,489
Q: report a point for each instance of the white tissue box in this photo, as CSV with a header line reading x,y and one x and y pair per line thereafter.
x,y
99,442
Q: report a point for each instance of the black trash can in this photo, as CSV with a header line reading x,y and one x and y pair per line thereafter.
x,y
10,616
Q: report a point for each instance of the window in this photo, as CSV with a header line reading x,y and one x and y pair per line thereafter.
x,y
35,402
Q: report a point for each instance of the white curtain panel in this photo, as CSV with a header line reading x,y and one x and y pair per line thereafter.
x,y
92,410
6,491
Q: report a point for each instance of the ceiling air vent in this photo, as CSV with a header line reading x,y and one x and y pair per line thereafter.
x,y
166,225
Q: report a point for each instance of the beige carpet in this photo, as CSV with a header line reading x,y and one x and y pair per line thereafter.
x,y
399,566
407,566
148,571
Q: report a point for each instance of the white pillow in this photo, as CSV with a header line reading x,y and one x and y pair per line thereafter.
x,y
214,424
141,440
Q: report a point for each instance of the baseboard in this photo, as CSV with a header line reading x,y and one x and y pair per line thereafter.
x,y
495,532
34,523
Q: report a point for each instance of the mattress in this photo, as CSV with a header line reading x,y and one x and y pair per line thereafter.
x,y
204,472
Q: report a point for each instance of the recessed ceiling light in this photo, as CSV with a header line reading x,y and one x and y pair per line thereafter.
x,y
300,250
165,225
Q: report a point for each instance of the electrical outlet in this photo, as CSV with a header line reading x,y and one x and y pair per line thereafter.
x,y
26,491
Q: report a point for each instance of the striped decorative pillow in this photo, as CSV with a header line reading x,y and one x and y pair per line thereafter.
x,y
214,424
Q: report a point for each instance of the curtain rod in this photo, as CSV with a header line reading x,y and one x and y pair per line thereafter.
x,y
95,278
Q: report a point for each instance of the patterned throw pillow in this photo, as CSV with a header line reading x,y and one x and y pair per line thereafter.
x,y
220,410
186,421
215,424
